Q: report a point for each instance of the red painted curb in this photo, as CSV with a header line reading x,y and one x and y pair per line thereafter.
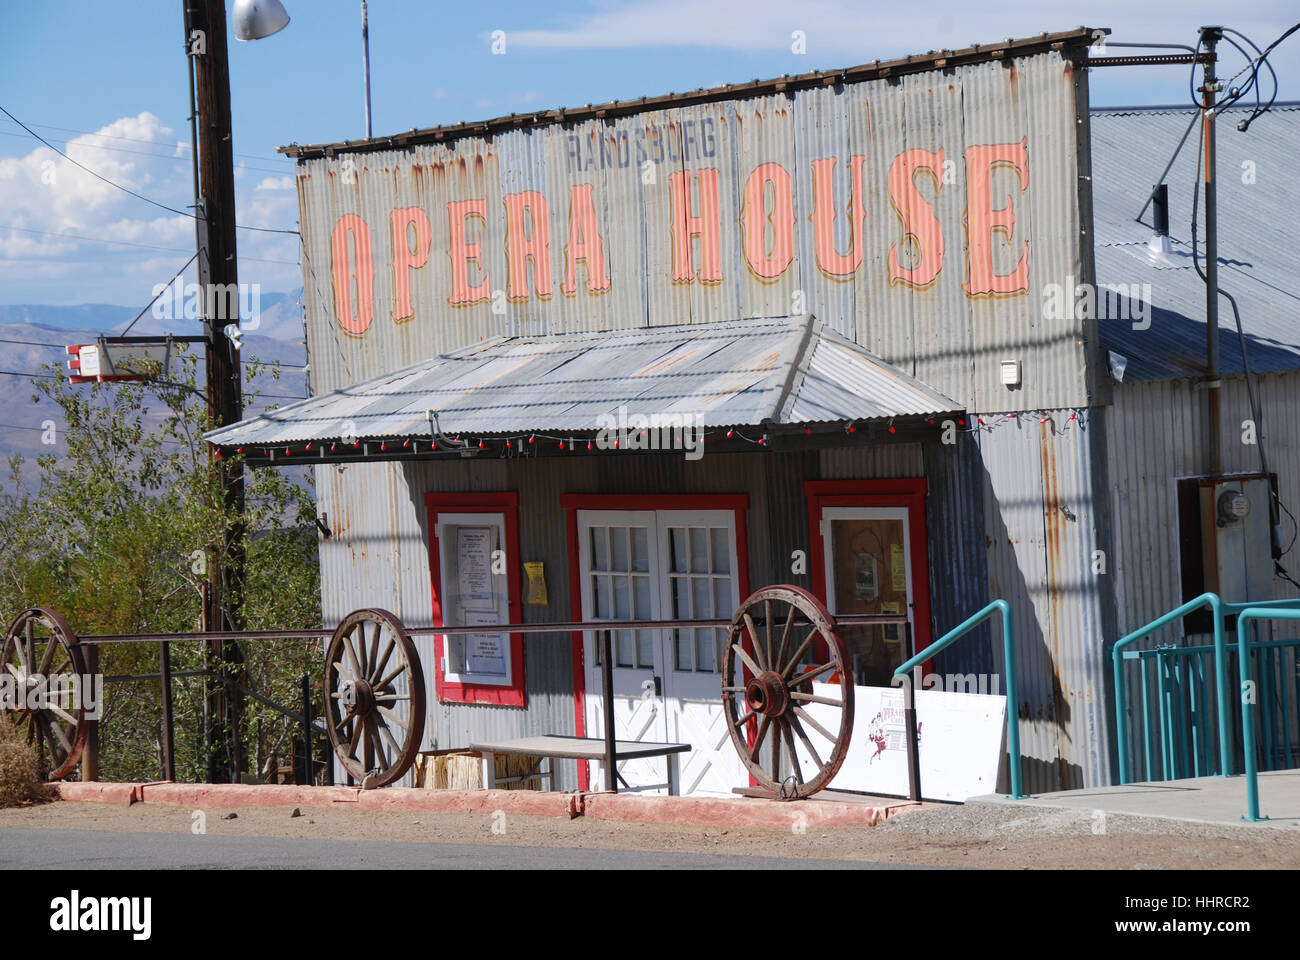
x,y
124,793
245,795
535,803
681,811
725,812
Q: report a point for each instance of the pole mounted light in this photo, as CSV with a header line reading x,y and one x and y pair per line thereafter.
x,y
255,19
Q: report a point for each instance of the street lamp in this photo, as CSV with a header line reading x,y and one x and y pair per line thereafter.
x,y
255,19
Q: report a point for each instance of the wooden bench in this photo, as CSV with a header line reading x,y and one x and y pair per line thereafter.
x,y
557,746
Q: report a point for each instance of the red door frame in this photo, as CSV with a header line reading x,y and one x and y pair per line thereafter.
x,y
906,492
737,503
506,503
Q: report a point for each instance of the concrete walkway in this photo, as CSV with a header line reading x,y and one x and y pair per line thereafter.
x,y
1202,800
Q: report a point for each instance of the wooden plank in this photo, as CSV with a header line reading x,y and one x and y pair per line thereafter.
x,y
580,748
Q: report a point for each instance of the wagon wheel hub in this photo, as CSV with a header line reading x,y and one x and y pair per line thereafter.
x,y
358,697
767,694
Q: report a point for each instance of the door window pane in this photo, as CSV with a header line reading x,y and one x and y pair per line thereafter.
x,y
870,575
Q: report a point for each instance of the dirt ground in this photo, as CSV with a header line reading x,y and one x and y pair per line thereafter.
x,y
975,835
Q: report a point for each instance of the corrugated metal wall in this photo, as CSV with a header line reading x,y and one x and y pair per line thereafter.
x,y
937,332
1044,523
377,554
1155,436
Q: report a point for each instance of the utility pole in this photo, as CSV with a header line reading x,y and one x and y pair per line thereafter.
x,y
218,282
365,60
1210,37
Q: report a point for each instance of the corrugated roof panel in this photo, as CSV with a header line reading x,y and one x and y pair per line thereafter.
x,y
726,373
1259,197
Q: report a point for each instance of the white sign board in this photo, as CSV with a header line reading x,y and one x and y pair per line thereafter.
x,y
486,652
961,741
474,567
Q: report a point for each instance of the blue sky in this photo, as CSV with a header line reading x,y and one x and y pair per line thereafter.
x,y
107,83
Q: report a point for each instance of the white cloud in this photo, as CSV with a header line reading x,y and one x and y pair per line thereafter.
x,y
277,183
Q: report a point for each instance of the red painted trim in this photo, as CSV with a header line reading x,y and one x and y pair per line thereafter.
x,y
737,503
906,492
506,503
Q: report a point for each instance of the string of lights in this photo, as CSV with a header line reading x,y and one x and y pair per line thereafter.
x,y
1056,422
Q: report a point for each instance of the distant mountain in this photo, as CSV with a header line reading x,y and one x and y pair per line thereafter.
x,y
34,335
280,317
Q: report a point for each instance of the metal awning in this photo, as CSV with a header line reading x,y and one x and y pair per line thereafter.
x,y
772,373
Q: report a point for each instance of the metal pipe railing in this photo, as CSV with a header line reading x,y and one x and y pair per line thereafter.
x,y
1248,614
1009,655
1219,610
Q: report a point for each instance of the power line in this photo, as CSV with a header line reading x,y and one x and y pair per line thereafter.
x,y
128,243
35,343
138,196
142,153
110,136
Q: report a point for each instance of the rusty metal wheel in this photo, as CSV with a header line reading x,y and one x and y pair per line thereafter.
x,y
791,641
374,694
43,660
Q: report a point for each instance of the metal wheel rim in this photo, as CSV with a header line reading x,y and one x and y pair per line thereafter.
x,y
58,734
371,669
774,700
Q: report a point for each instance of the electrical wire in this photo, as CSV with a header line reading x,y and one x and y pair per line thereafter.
x,y
1275,500
129,243
128,190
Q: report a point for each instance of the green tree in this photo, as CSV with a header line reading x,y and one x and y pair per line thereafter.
x,y
117,535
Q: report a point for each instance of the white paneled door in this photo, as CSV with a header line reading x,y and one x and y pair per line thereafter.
x,y
662,564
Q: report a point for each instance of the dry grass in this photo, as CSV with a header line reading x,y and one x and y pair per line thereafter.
x,y
20,782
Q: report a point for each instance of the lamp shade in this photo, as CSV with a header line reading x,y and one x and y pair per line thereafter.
x,y
255,19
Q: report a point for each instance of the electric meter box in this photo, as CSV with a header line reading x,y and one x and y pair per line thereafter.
x,y
1236,535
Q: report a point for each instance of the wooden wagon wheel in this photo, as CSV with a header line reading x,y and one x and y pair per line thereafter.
x,y
374,689
43,659
781,625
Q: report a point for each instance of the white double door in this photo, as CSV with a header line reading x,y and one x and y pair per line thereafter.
x,y
652,565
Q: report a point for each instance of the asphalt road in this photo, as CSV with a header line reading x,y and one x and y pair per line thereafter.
x,y
37,849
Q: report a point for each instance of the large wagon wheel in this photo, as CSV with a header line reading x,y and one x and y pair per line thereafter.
x,y
43,659
374,691
782,625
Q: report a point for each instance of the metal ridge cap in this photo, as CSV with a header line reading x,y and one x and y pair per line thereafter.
x,y
935,59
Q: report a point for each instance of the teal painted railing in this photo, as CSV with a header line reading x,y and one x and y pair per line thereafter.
x,y
1009,655
1257,611
1180,681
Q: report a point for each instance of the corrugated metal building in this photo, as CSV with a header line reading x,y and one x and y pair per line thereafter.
x,y
836,283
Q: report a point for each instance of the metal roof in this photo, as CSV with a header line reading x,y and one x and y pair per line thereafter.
x,y
1259,205
1074,40
776,371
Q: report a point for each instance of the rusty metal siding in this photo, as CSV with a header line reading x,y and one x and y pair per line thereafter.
x,y
939,334
1155,436
1043,525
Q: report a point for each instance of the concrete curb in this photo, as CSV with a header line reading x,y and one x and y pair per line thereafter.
x,y
723,812
679,811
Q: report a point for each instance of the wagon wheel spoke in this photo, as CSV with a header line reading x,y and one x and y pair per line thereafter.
x,y
776,752
392,697
388,679
16,671
803,715
745,719
60,712
778,663
758,740
798,729
794,757
374,650
799,652
392,717
767,628
740,652
811,674
351,655
757,647
388,734
814,698
48,655
383,659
